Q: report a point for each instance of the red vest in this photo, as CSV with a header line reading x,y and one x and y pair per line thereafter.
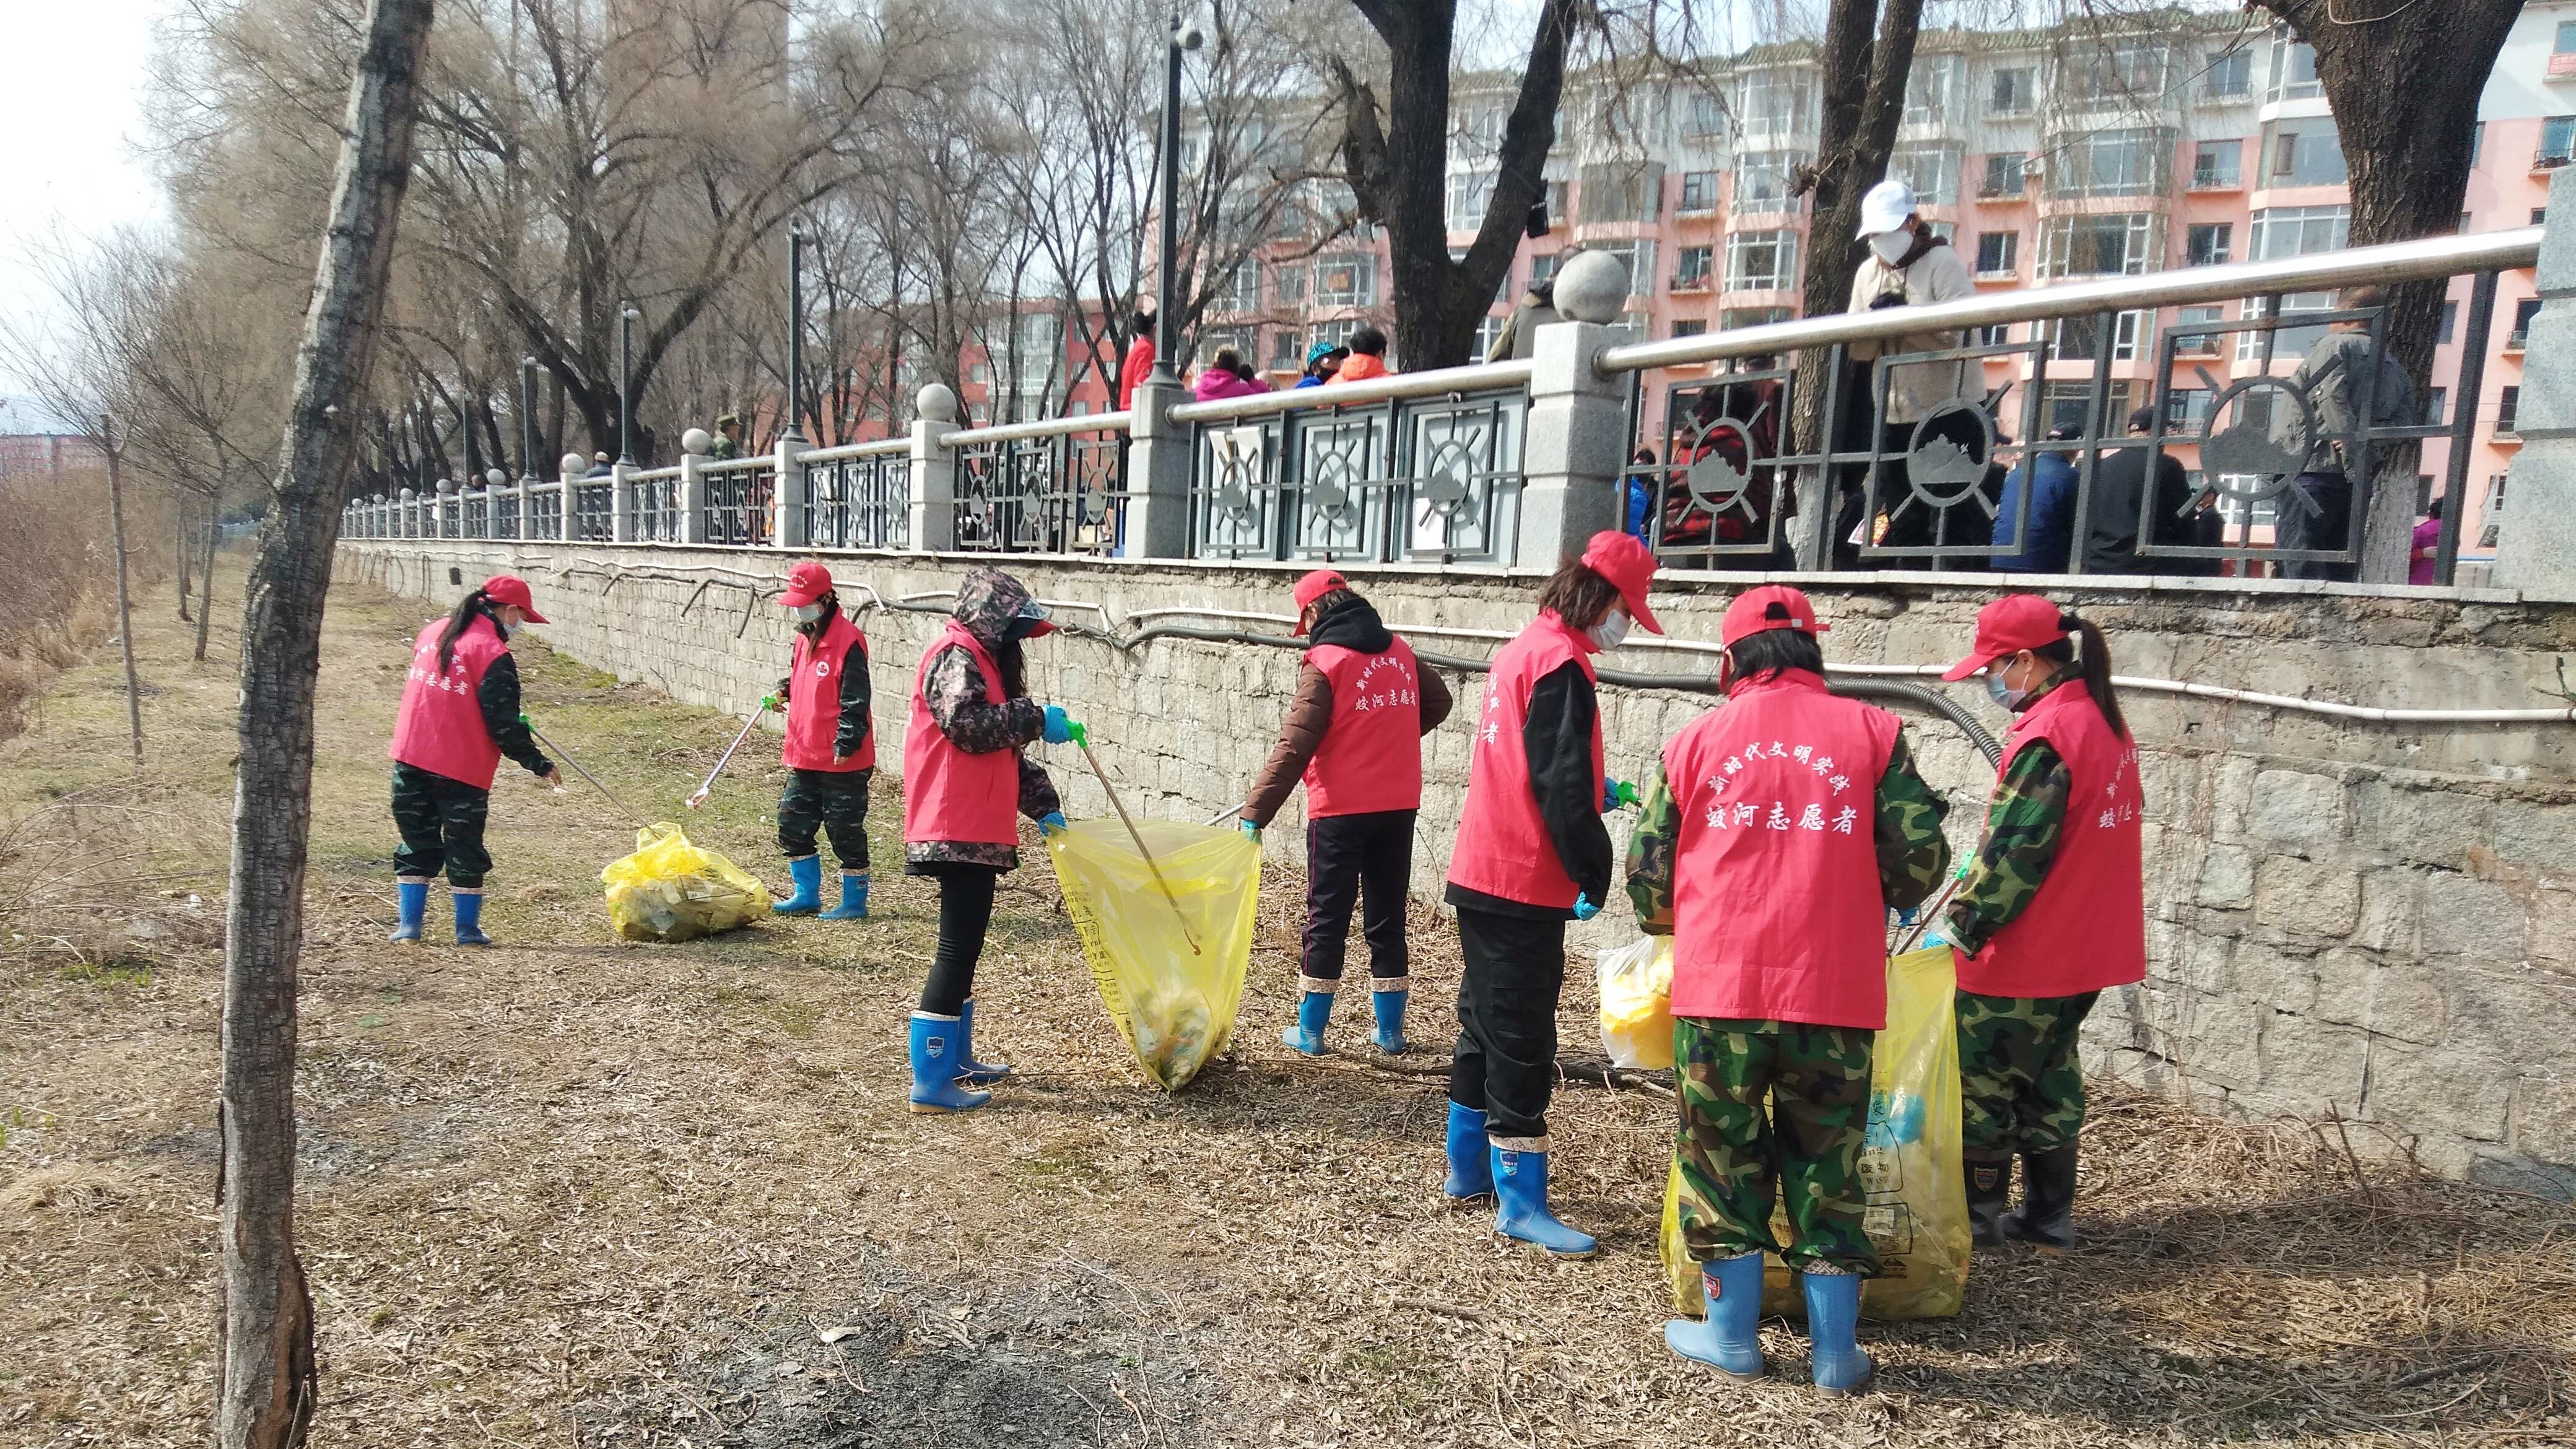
x,y
1371,757
2087,928
1777,910
814,698
441,728
949,794
1503,847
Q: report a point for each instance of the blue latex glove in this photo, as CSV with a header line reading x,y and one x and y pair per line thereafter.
x,y
1059,726
1615,793
1251,830
1908,916
1584,910
1052,823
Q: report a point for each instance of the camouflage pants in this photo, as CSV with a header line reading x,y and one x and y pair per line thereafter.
x,y
1734,1148
832,801
441,823
2020,1086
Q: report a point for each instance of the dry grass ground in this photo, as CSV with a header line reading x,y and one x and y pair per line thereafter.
x,y
570,1191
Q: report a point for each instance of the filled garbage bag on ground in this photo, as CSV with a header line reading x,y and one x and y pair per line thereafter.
x,y
1637,1004
1917,1206
670,890
1174,1005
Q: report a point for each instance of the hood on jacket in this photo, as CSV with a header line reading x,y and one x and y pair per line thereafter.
x,y
987,601
1354,625
1213,383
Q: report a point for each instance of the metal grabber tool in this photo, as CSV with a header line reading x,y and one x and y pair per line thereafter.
x,y
1082,740
698,797
627,810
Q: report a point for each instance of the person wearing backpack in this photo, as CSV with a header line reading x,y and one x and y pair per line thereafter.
x,y
2315,512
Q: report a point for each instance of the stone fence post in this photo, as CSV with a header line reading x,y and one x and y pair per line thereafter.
x,y
934,470
2536,530
621,504
693,485
567,527
1157,506
789,527
1576,447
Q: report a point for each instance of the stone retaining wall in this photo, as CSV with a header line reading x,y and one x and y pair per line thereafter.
x,y
2345,919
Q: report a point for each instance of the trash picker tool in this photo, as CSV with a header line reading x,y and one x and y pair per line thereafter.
x,y
1219,818
623,808
699,797
1084,742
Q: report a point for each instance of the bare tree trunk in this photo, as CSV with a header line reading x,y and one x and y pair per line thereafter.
x,y
124,597
266,1385
182,552
206,575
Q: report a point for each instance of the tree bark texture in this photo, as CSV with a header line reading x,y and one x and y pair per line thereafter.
x,y
182,553
266,1384
2403,81
124,592
1396,156
206,574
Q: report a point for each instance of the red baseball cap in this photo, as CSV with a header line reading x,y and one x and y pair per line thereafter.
x,y
1312,587
2010,625
1772,606
512,589
1624,561
806,582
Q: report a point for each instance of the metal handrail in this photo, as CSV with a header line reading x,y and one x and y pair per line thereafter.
x,y
1117,422
850,452
747,463
2405,261
1476,377
652,475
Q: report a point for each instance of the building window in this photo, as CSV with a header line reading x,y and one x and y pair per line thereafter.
x,y
2304,153
2437,405
2078,338
1691,266
2523,312
1996,335
2450,320
2196,344
1335,334
1639,258
2539,214
1689,327
2557,142
1762,179
2298,231
2067,406
2008,91
1346,281
1241,290
1283,350
1931,88
2208,243
2287,344
2477,144
2566,42
2294,73
1762,261
2111,244
1933,172
1736,317
1543,267
2507,403
1699,191
2187,409
2218,165
1703,117
1487,331
1469,192
2005,171
1998,253
2114,163
1775,102
2230,76
1628,191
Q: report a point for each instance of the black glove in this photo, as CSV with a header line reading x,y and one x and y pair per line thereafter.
x,y
1886,299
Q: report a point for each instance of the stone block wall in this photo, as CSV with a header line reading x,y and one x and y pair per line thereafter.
x,y
2345,919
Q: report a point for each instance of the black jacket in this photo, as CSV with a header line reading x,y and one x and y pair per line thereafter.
x,y
1557,739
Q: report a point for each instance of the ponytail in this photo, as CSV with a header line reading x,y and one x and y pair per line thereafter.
x,y
463,614
2096,663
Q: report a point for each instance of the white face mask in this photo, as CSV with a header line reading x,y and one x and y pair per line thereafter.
x,y
1611,631
808,613
1892,246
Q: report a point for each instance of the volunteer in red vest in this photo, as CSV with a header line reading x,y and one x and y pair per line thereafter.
x,y
1531,855
1782,827
460,715
830,751
2051,913
965,783
1354,735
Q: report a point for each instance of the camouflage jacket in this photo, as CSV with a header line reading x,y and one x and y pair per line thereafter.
x,y
953,691
2024,822
1912,853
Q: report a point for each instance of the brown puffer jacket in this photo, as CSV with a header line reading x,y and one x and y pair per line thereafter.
x,y
1354,625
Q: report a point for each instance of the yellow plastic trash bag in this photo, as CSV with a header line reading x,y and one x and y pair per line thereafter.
x,y
670,890
1637,1003
1917,1206
1175,1006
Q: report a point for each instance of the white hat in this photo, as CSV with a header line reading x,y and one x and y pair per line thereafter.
x,y
1885,208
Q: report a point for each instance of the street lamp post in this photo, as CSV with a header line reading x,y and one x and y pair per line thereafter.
x,y
795,330
626,315
527,417
1167,334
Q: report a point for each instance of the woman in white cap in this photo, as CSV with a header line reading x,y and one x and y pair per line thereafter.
x,y
1907,265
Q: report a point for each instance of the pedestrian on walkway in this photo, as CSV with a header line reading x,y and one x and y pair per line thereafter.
x,y
830,749
1354,736
963,774
1323,360
1531,855
1224,377
1535,309
1780,829
728,439
1908,265
1368,357
460,715
2051,913
1138,364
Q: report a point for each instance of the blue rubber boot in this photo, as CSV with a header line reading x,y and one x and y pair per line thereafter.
x,y
1314,1009
970,1071
412,898
1389,1006
808,875
854,897
1725,1340
1833,1325
469,918
1520,1192
1471,1167
938,1044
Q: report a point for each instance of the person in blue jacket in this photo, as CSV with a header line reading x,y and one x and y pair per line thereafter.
x,y
2047,536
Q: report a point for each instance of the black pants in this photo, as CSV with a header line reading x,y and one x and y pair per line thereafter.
x,y
833,801
1506,1061
1366,859
965,913
2328,525
441,821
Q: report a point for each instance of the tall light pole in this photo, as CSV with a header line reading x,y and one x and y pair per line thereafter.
x,y
527,410
626,315
795,328
1167,333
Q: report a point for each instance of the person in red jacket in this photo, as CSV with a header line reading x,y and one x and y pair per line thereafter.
x,y
1777,833
965,782
830,751
460,715
1354,735
1532,855
2051,913
1138,364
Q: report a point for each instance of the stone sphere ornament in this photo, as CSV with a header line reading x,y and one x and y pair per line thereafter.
x,y
696,440
1592,287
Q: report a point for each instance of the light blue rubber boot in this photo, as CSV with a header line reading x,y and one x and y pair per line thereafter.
x,y
807,873
854,897
938,1044
469,918
411,897
1726,1339
1389,1006
970,1071
1520,1207
1314,1009
1471,1166
1833,1325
